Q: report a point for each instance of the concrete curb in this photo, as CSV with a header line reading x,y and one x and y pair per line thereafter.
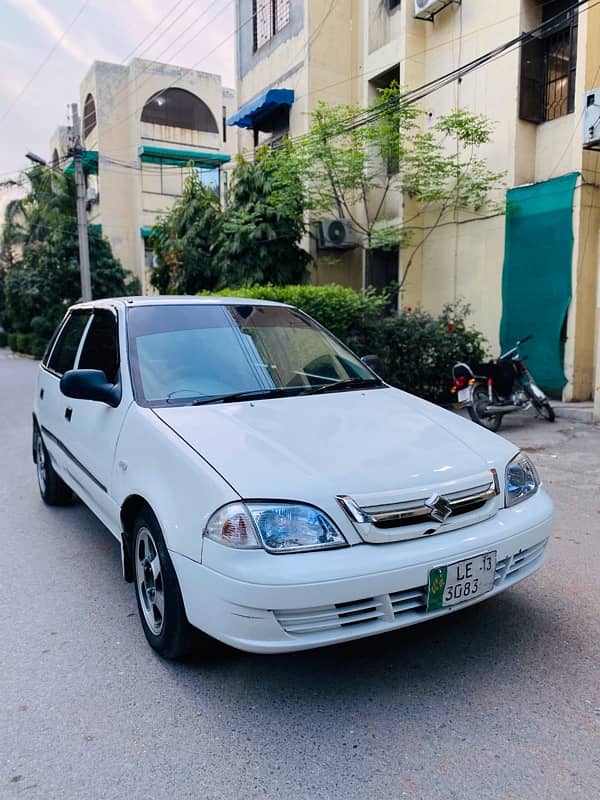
x,y
576,412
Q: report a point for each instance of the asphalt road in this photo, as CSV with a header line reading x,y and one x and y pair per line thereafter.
x,y
500,701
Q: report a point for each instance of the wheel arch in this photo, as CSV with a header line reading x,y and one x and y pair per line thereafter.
x,y
35,428
130,508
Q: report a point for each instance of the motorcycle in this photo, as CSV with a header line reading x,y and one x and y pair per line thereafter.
x,y
497,388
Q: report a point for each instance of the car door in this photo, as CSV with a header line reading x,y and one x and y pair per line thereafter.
x,y
49,403
92,427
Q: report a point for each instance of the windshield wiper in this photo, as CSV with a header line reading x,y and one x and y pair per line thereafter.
x,y
350,383
251,394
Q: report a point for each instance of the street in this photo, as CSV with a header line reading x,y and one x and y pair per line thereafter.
x,y
500,701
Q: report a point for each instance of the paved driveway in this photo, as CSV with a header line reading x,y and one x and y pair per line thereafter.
x,y
498,701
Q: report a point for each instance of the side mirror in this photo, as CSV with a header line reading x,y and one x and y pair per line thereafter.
x,y
90,384
372,362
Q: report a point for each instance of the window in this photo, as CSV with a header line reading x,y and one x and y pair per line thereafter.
x,y
178,108
182,352
63,354
392,4
89,116
169,178
548,66
224,118
210,177
268,18
100,349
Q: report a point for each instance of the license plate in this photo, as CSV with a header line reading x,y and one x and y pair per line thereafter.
x,y
462,581
464,395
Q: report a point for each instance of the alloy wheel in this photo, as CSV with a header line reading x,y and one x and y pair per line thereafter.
x,y
40,457
149,580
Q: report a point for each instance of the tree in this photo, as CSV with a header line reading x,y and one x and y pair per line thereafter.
x,y
254,239
40,256
353,157
184,242
263,223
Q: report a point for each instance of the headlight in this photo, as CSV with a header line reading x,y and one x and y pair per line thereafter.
x,y
278,527
521,480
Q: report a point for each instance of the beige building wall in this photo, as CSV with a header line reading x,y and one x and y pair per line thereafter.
x,y
343,47
129,190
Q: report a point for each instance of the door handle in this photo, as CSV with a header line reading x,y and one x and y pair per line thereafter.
x,y
68,413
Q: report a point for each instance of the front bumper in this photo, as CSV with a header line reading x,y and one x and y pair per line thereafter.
x,y
279,603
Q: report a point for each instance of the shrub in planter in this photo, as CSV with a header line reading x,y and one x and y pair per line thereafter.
x,y
420,350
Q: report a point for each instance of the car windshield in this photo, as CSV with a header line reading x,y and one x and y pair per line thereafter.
x,y
186,353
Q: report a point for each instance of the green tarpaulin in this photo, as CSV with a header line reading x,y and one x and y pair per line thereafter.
x,y
536,281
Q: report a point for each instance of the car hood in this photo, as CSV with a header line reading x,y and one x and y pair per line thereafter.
x,y
378,445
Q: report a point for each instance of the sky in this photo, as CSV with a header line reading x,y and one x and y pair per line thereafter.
x,y
190,33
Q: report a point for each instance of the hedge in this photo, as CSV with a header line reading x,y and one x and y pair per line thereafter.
x,y
3,339
417,349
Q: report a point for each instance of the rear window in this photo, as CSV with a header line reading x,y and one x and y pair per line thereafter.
x,y
62,357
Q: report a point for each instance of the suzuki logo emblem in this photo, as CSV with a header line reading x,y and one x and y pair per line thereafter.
x,y
440,508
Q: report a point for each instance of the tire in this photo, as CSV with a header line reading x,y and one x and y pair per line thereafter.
x,y
480,400
53,490
157,591
545,410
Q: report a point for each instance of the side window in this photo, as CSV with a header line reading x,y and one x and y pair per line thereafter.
x,y
63,355
100,349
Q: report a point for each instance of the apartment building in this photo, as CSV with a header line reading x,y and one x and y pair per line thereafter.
x,y
143,125
533,270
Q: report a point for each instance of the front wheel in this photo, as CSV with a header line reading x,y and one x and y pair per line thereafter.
x,y
477,410
545,410
158,595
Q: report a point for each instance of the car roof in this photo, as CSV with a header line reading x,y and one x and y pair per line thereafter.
x,y
174,300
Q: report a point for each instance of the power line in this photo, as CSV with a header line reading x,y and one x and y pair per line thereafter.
x,y
168,47
155,60
45,60
155,28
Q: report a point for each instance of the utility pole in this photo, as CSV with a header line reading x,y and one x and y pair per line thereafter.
x,y
82,224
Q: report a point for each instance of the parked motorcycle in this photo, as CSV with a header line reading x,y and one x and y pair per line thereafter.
x,y
497,388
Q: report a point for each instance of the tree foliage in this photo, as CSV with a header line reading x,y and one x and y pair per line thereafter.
x,y
184,242
255,238
40,261
353,157
263,223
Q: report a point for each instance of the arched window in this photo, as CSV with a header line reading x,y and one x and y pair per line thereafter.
x,y
89,116
178,108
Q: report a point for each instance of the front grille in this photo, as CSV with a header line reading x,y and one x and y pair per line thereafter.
x,y
397,607
411,600
326,618
411,512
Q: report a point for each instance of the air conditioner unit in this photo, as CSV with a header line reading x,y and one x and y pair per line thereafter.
x,y
336,234
427,9
91,195
591,120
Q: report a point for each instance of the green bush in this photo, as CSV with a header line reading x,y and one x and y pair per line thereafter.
x,y
417,349
3,339
23,343
11,340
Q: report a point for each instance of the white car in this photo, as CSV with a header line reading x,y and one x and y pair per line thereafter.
x,y
266,487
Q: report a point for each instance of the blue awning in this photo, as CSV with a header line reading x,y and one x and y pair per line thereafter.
x,y
262,106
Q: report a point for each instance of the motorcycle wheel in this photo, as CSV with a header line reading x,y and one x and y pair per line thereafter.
x,y
545,410
477,410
